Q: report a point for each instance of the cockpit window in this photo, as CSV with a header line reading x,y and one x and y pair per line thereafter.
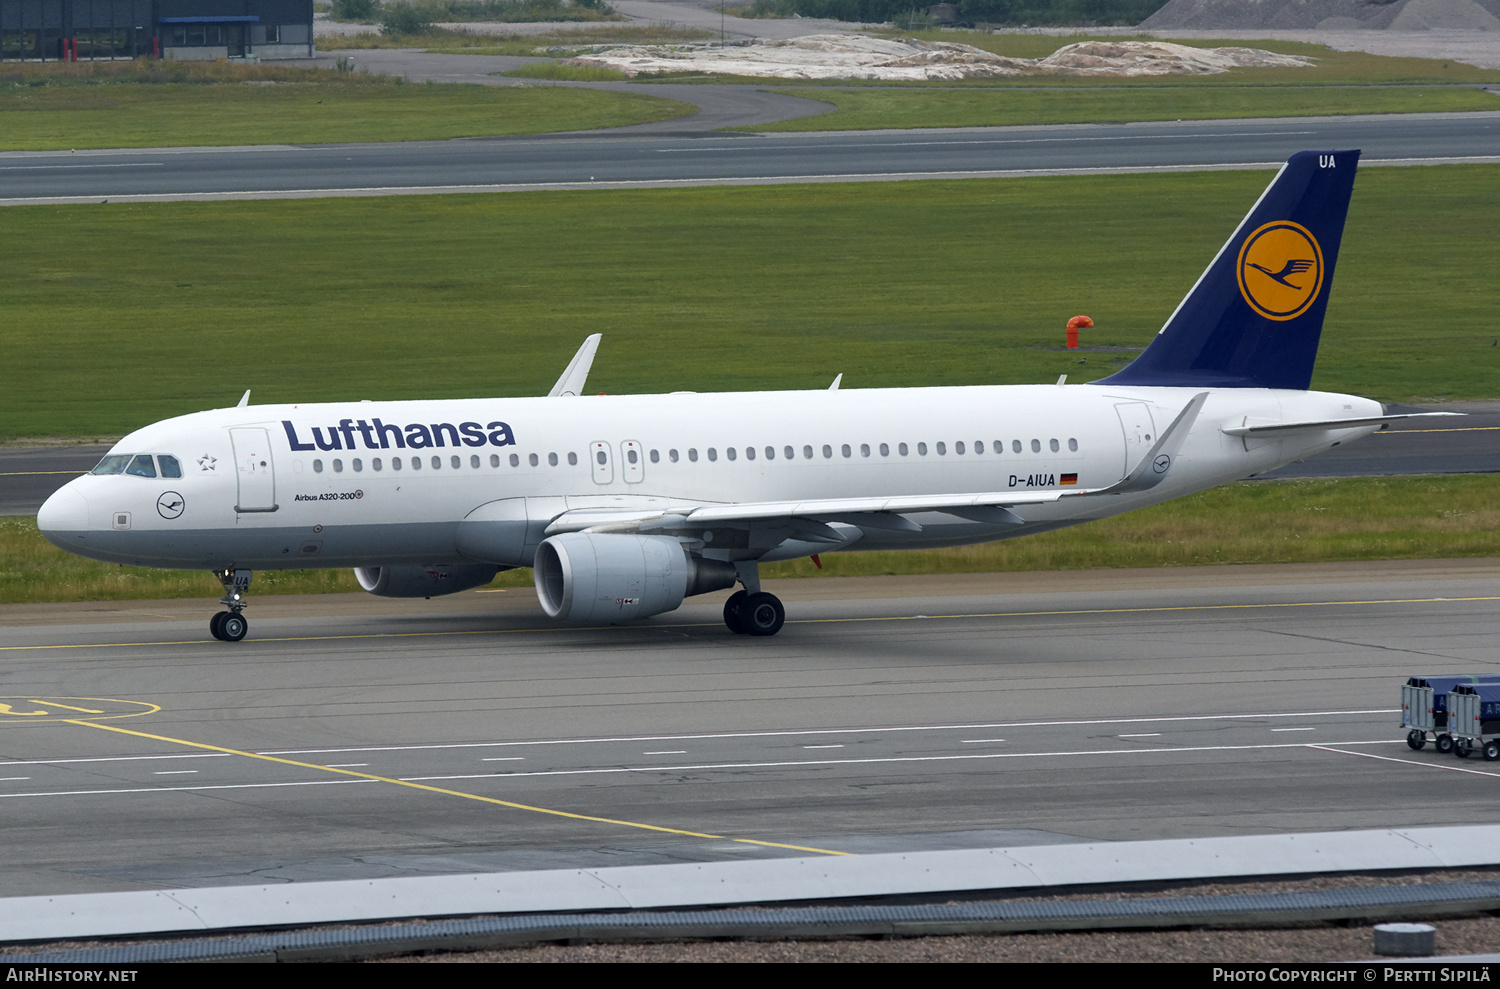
x,y
169,466
141,466
114,464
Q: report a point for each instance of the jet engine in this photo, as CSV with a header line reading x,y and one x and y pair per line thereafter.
x,y
424,581
594,576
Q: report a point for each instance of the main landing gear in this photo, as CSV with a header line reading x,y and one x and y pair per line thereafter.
x,y
231,625
753,611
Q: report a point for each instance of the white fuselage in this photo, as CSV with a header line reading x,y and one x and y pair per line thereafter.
x,y
388,483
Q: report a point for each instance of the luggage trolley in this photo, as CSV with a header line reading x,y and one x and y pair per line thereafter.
x,y
1474,719
1424,708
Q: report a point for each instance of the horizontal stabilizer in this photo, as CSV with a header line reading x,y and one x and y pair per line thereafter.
x,y
1323,424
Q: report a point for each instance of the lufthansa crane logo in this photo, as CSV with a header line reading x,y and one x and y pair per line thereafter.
x,y
1280,270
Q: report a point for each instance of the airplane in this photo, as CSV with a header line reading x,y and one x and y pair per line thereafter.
x,y
626,505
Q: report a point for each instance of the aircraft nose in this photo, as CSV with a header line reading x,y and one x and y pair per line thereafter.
x,y
65,512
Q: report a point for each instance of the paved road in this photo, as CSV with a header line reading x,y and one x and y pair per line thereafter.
x,y
892,713
1449,446
613,159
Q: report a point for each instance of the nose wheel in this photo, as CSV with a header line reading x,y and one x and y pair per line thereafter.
x,y
231,625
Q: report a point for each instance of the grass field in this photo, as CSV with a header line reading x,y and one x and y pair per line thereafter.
x,y
122,314
120,105
875,109
1253,522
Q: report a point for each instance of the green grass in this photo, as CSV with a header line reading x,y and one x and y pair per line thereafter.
x,y
122,314
875,109
1253,522
569,73
269,105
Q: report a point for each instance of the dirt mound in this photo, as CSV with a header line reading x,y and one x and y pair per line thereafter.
x,y
1394,15
838,56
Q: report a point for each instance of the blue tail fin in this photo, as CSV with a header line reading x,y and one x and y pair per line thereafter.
x,y
1254,318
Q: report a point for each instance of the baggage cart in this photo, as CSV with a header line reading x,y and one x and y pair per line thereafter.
x,y
1424,707
1474,719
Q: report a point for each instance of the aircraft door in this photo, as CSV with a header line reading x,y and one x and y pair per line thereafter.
x,y
1140,432
254,469
601,463
635,461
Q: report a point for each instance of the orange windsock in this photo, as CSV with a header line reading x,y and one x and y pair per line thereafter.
x,y
1074,325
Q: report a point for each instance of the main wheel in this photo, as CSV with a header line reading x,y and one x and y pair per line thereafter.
x,y
214,624
732,616
1416,739
1461,750
1491,751
1444,744
762,614
233,627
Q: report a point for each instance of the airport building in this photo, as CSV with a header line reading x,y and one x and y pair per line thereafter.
x,y
73,30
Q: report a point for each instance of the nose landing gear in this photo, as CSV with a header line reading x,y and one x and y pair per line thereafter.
x,y
231,625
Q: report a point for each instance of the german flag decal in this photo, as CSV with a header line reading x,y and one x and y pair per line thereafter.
x,y
1068,479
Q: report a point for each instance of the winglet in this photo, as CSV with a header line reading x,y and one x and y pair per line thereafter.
x,y
571,382
835,385
1153,468
244,399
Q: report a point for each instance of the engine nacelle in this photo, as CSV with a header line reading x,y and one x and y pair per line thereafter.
x,y
425,581
597,576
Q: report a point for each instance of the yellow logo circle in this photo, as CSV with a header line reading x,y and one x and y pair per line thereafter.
x,y
1280,270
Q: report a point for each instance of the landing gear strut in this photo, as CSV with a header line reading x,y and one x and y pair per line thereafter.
x,y
753,611
231,625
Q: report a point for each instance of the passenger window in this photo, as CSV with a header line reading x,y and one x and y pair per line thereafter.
x,y
437,463
846,451
416,463
979,446
630,455
901,449
317,466
807,453
655,457
885,450
600,456
864,449
942,449
1015,445
921,449
515,460
551,460
1036,446
169,466
395,463
1054,445
474,461
999,446
141,466
359,465
1073,445
495,459
532,459
789,452
731,452
338,466
958,447
572,460
375,463
672,456
749,453
713,454
693,454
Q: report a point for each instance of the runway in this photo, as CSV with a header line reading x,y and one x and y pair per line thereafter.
x,y
357,737
604,160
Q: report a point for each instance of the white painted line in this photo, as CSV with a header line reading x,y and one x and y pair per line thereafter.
x,y
115,758
12,779
1149,734
176,772
505,758
346,765
802,733
180,789
979,741
1409,762
792,764
667,752
50,168
1294,729
822,746
742,145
